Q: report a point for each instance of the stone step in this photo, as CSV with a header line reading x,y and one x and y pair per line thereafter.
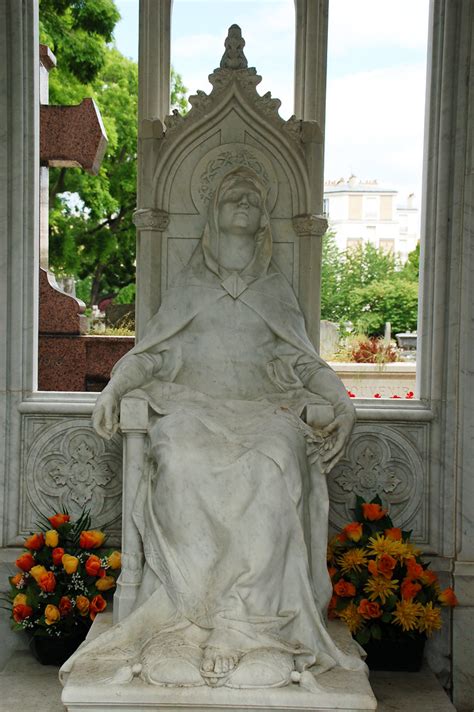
x,y
30,687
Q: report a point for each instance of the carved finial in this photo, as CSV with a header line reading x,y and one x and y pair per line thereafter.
x,y
234,57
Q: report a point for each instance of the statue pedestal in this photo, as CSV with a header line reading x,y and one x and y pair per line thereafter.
x,y
338,690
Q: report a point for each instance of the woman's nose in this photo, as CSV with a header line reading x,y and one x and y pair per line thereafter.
x,y
243,200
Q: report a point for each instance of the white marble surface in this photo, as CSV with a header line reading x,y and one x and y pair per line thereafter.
x,y
30,687
336,689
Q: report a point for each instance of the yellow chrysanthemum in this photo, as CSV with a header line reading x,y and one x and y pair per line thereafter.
x,y
407,614
407,551
380,587
429,619
351,617
380,544
352,560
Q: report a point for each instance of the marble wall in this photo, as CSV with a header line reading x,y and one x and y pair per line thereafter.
x,y
418,456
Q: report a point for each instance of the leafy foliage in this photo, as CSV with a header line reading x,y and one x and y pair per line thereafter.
x,y
92,236
368,287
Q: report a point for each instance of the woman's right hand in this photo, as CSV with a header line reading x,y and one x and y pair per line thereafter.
x,y
105,416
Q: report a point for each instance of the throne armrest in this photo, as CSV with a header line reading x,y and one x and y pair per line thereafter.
x,y
134,426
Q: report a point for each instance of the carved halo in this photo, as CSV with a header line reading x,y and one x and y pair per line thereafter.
x,y
222,159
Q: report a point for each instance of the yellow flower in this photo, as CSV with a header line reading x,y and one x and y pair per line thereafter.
x,y
38,571
407,614
105,583
351,617
20,598
430,619
51,614
115,560
51,538
380,544
380,587
352,560
82,604
70,563
407,551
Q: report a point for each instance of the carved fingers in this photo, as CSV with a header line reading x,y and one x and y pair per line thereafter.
x,y
335,435
105,416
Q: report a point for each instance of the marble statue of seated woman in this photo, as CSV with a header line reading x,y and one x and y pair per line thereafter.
x,y
233,506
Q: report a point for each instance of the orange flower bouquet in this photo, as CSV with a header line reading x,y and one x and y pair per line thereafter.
x,y
382,589
64,580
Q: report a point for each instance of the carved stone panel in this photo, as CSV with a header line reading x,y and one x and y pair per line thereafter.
x,y
389,461
67,466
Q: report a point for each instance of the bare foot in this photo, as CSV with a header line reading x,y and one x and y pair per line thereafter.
x,y
218,661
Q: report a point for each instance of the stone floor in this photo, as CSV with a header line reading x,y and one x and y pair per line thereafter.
x,y
27,686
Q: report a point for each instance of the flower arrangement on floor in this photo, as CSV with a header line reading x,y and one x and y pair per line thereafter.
x,y
381,587
64,581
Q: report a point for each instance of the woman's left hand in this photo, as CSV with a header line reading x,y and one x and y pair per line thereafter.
x,y
336,435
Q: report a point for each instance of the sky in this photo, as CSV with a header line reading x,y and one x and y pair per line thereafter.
x,y
376,73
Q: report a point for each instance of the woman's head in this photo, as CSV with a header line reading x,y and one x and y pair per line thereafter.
x,y
239,207
240,203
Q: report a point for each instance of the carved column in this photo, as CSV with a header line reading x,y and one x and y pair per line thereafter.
x,y
154,61
310,229
311,59
133,424
154,67
19,256
447,310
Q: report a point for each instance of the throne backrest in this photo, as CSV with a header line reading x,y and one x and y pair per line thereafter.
x,y
181,166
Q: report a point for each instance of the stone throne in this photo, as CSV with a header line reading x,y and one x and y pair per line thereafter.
x,y
232,126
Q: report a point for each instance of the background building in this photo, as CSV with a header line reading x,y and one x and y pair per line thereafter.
x,y
363,211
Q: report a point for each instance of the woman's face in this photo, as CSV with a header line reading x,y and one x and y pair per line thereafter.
x,y
239,209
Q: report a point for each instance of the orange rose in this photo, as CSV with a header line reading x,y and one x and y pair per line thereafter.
x,y
448,597
341,537
15,580
93,564
20,599
51,614
372,566
51,538
414,570
373,512
368,609
429,577
38,571
65,606
34,542
353,531
25,562
70,563
98,604
386,564
115,560
91,539
21,611
394,533
57,555
105,583
47,582
409,589
82,605
58,519
345,589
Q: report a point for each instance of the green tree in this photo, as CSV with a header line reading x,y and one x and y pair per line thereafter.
x,y
92,236
367,287
77,31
